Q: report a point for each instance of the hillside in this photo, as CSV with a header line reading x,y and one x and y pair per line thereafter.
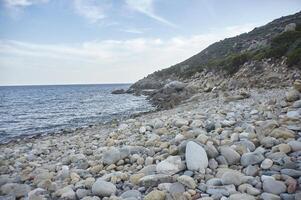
x,y
279,40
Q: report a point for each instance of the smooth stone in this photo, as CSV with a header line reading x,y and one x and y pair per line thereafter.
x,y
232,177
154,180
103,189
170,166
230,154
176,190
251,158
268,142
131,194
282,133
273,186
91,198
291,172
249,189
251,170
157,123
196,157
214,182
295,145
187,181
114,155
211,151
180,122
293,114
69,194
81,193
269,196
155,194
241,197
297,104
292,95
266,163
18,190
286,196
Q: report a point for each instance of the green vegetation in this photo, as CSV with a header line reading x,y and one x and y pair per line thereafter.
x,y
224,56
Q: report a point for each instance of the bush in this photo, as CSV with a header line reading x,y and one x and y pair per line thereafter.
x,y
294,58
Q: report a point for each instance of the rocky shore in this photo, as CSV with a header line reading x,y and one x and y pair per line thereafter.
x,y
210,147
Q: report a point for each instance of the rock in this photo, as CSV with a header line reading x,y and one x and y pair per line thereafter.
x,y
291,172
154,180
251,170
170,166
142,129
212,164
211,150
187,181
81,193
285,148
297,85
155,194
266,163
241,197
65,172
149,161
176,190
114,155
249,189
37,193
268,142
290,27
297,104
251,158
196,157
103,189
157,123
91,198
269,196
282,133
69,194
135,178
118,91
273,186
232,177
180,122
295,145
18,190
292,185
202,138
292,95
210,126
231,155
131,194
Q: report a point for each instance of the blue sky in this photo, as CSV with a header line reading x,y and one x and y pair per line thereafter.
x,y
113,41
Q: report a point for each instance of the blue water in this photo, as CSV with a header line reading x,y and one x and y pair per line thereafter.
x,y
31,110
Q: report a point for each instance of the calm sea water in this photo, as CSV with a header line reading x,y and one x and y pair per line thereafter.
x,y
31,110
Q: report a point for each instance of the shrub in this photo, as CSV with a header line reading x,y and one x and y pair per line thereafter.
x,y
294,58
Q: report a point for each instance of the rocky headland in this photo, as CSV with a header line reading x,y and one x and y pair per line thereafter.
x,y
229,135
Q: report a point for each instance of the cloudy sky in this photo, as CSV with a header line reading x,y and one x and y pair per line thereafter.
x,y
117,41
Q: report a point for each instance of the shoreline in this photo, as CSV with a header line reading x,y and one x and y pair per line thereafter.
x,y
67,131
201,149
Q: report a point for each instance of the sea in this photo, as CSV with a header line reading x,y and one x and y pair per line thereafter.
x,y
26,111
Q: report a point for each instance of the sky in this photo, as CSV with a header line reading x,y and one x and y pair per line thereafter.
x,y
117,41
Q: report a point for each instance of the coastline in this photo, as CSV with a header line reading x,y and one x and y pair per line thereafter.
x,y
144,156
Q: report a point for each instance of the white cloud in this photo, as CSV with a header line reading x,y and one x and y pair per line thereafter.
x,y
89,9
22,3
146,7
100,61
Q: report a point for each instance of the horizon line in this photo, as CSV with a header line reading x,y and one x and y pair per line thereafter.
x,y
62,84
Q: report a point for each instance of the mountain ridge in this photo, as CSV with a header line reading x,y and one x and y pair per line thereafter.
x,y
224,55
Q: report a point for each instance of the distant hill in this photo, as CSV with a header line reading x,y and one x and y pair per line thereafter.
x,y
279,38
